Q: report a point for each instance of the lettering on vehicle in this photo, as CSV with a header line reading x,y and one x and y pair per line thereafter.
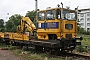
x,y
18,36
51,25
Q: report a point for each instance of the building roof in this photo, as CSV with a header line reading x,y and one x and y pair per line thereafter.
x,y
83,9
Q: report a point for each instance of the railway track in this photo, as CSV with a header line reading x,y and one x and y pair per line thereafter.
x,y
70,56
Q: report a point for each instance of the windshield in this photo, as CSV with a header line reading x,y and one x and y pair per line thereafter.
x,y
50,14
41,16
69,15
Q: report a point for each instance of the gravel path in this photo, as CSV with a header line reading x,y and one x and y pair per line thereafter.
x,y
8,55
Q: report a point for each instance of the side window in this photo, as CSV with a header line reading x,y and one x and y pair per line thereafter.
x,y
41,15
82,19
82,15
88,14
50,14
88,19
58,14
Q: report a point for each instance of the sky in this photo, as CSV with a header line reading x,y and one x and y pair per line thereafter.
x,y
22,6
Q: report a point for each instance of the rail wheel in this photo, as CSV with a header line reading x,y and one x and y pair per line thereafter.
x,y
47,50
12,43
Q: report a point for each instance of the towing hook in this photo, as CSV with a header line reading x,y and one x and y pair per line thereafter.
x,y
81,38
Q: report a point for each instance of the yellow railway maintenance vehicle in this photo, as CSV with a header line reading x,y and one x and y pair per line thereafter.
x,y
56,30
58,25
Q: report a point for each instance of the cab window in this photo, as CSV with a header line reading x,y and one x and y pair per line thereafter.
x,y
41,15
58,14
50,15
69,15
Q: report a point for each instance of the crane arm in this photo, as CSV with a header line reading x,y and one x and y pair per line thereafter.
x,y
26,23
29,22
29,28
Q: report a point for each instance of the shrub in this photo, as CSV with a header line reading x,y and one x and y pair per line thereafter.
x,y
12,47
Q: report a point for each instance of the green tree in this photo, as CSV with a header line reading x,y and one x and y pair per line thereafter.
x,y
9,26
1,25
31,15
13,22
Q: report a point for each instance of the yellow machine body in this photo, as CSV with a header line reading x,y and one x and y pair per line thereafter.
x,y
51,24
18,36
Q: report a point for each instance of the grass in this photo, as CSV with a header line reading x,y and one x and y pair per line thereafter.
x,y
59,58
35,57
86,40
12,47
85,43
3,45
55,59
